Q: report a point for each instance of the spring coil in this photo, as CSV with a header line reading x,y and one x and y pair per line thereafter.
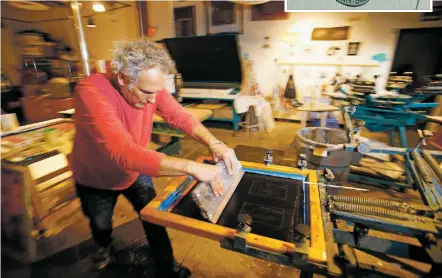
x,y
365,201
375,211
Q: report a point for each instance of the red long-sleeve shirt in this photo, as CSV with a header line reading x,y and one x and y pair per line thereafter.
x,y
111,139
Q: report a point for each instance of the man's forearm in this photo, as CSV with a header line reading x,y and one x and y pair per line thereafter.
x,y
173,166
202,134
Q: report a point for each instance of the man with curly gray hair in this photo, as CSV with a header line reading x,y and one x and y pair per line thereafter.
x,y
114,117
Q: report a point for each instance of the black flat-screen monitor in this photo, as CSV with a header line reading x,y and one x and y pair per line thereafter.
x,y
211,61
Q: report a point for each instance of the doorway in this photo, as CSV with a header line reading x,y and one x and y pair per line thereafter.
x,y
419,51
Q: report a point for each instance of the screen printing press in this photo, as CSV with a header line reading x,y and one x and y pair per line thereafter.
x,y
281,214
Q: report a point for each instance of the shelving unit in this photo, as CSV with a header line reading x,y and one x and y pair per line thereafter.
x,y
327,63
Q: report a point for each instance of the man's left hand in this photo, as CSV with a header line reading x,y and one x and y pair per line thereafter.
x,y
222,152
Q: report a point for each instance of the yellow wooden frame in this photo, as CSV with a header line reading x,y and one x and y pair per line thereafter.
x,y
316,250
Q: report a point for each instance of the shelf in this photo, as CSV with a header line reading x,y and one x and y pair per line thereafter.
x,y
327,63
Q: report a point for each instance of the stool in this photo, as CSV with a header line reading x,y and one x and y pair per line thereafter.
x,y
249,121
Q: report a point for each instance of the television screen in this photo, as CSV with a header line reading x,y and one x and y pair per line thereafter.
x,y
206,59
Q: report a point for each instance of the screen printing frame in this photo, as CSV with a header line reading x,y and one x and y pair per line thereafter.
x,y
158,211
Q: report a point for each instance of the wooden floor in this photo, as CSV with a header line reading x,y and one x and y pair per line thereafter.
x,y
204,257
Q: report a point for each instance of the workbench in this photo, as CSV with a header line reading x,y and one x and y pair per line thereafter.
x,y
164,138
39,201
323,243
229,100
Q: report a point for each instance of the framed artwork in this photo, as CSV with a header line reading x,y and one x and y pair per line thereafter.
x,y
330,34
272,10
224,17
353,48
185,23
223,13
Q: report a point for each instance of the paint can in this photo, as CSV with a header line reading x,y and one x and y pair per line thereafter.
x,y
324,148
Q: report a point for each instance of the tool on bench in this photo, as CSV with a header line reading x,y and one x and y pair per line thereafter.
x,y
388,112
365,148
389,216
419,221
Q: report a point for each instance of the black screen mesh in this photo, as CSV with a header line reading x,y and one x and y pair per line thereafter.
x,y
275,205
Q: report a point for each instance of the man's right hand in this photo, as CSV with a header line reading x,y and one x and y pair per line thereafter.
x,y
209,174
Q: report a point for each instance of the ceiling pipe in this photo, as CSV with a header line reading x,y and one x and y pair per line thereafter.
x,y
78,25
140,14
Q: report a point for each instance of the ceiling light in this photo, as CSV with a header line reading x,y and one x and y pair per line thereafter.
x,y
91,23
98,7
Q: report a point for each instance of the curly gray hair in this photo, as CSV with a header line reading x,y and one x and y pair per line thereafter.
x,y
133,56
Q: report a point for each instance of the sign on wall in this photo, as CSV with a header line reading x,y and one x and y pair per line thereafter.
x,y
358,5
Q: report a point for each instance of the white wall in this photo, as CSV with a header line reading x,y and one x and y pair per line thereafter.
x,y
377,33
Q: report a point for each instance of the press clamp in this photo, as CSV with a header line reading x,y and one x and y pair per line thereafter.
x,y
302,161
268,159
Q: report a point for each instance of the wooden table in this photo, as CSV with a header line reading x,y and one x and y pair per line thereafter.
x,y
162,129
323,109
435,119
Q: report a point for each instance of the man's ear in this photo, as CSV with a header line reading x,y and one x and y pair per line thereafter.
x,y
122,79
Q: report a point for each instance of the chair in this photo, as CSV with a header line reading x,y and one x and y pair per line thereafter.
x,y
249,122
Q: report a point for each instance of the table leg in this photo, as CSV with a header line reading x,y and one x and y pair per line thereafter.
x,y
235,120
304,119
403,136
391,138
324,118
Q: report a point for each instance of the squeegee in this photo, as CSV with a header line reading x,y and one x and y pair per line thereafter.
x,y
211,206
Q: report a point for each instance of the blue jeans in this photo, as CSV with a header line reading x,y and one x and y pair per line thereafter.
x,y
98,205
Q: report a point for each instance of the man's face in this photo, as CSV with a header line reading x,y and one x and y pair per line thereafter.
x,y
145,89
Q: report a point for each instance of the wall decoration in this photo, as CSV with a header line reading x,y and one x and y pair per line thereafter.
x,y
223,13
224,17
307,49
333,50
353,48
267,43
272,10
380,57
330,34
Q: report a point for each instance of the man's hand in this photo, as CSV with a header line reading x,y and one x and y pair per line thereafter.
x,y
221,152
209,174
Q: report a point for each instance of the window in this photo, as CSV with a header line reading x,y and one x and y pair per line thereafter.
x,y
185,21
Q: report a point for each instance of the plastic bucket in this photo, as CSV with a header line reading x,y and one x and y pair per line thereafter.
x,y
331,123
324,148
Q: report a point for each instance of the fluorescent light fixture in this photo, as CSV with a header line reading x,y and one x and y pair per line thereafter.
x,y
98,7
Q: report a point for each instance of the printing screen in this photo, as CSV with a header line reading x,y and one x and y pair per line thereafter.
x,y
208,59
